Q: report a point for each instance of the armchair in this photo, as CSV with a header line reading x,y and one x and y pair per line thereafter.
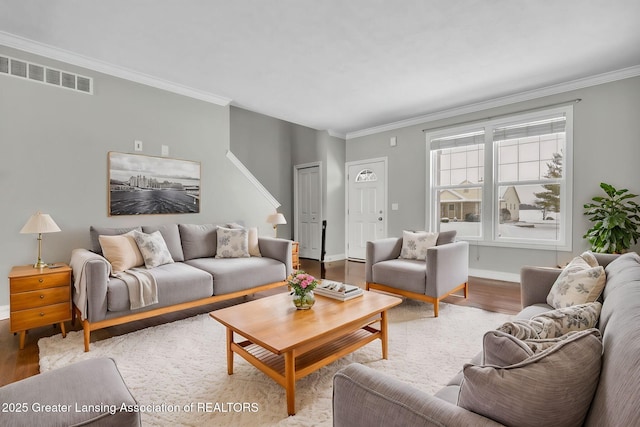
x,y
444,271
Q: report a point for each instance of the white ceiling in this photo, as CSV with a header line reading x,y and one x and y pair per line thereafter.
x,y
340,65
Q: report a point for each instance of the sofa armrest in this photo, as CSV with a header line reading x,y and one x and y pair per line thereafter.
x,y
381,250
535,284
447,267
92,271
364,397
278,249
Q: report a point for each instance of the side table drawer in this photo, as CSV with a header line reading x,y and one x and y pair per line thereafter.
x,y
41,316
33,299
32,283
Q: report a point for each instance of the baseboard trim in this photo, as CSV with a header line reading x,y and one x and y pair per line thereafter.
x,y
4,312
495,275
336,257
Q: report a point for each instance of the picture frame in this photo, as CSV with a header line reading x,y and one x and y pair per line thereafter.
x,y
147,185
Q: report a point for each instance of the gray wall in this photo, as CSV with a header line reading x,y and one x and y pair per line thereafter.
x,y
54,159
606,149
270,148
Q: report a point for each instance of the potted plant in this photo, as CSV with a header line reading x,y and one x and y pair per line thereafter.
x,y
616,221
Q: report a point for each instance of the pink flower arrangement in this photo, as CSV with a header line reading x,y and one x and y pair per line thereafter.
x,y
301,282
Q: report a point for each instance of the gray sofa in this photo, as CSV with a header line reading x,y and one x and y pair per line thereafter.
x,y
195,277
87,393
364,397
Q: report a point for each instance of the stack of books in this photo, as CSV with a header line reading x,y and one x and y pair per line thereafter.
x,y
337,290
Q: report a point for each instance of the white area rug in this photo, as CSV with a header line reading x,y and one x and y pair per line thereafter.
x,y
184,363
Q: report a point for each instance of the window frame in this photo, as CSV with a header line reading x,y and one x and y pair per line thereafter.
x,y
490,209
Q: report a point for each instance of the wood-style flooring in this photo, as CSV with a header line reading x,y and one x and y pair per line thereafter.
x,y
16,364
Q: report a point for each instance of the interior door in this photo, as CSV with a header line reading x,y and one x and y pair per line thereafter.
x,y
309,217
366,206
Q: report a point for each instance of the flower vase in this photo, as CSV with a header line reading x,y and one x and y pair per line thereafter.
x,y
304,301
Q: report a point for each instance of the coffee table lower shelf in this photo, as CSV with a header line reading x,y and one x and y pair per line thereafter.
x,y
288,367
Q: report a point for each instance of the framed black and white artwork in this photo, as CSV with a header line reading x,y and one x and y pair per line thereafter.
x,y
147,185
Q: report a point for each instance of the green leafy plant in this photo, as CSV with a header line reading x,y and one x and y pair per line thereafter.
x,y
616,221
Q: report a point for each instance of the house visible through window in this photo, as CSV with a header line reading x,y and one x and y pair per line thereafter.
x,y
507,182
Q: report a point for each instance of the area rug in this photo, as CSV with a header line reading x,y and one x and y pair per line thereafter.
x,y
180,368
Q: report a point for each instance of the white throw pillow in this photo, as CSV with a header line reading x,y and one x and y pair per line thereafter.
x,y
580,282
416,243
153,248
121,251
232,243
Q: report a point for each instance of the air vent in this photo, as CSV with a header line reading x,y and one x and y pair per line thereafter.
x,y
43,74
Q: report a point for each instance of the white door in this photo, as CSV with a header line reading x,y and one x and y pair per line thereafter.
x,y
309,207
366,205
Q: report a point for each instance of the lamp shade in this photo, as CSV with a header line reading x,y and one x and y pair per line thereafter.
x,y
40,223
276,219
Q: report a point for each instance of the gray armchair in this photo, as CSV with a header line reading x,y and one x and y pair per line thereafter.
x,y
445,270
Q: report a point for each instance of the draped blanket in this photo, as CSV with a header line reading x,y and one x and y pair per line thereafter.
x,y
142,286
143,289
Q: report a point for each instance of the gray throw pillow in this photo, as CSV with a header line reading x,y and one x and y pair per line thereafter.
x,y
198,241
153,249
552,388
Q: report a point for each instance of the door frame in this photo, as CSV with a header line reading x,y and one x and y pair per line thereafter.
x,y
347,165
296,169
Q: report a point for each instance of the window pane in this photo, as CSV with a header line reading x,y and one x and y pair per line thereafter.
x,y
459,165
529,212
460,209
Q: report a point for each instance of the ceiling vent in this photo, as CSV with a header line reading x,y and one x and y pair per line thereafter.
x,y
43,74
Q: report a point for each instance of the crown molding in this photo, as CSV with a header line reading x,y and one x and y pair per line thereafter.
x,y
51,52
336,134
599,79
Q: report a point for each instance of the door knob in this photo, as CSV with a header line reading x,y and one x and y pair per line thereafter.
x,y
379,218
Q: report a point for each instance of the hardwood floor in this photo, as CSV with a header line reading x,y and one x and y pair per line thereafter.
x,y
16,364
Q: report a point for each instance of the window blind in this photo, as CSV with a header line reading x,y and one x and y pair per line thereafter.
x,y
545,127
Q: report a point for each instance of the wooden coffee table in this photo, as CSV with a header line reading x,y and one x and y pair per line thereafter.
x,y
289,344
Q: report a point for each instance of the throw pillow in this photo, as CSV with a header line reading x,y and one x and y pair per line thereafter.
x,y
153,248
415,244
554,387
554,323
232,243
121,251
502,349
578,283
254,248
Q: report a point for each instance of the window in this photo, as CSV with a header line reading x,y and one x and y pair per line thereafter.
x,y
506,183
366,175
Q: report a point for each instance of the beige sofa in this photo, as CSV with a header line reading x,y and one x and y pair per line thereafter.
x,y
363,397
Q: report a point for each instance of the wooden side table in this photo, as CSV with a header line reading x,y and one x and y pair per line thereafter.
x,y
295,256
39,297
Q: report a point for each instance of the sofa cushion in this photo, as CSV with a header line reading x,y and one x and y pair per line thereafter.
x,y
177,283
415,244
406,274
198,241
121,251
95,232
445,237
153,248
554,387
171,235
232,243
579,282
236,274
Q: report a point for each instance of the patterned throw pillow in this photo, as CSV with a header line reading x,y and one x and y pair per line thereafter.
x,y
580,282
415,244
555,323
153,248
551,388
254,247
232,243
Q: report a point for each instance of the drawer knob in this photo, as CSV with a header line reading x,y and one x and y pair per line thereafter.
x,y
41,296
41,280
41,314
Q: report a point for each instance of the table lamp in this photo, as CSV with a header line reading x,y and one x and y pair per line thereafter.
x,y
40,223
275,220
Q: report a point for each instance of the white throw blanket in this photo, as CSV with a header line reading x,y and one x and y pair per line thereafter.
x,y
79,259
143,289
